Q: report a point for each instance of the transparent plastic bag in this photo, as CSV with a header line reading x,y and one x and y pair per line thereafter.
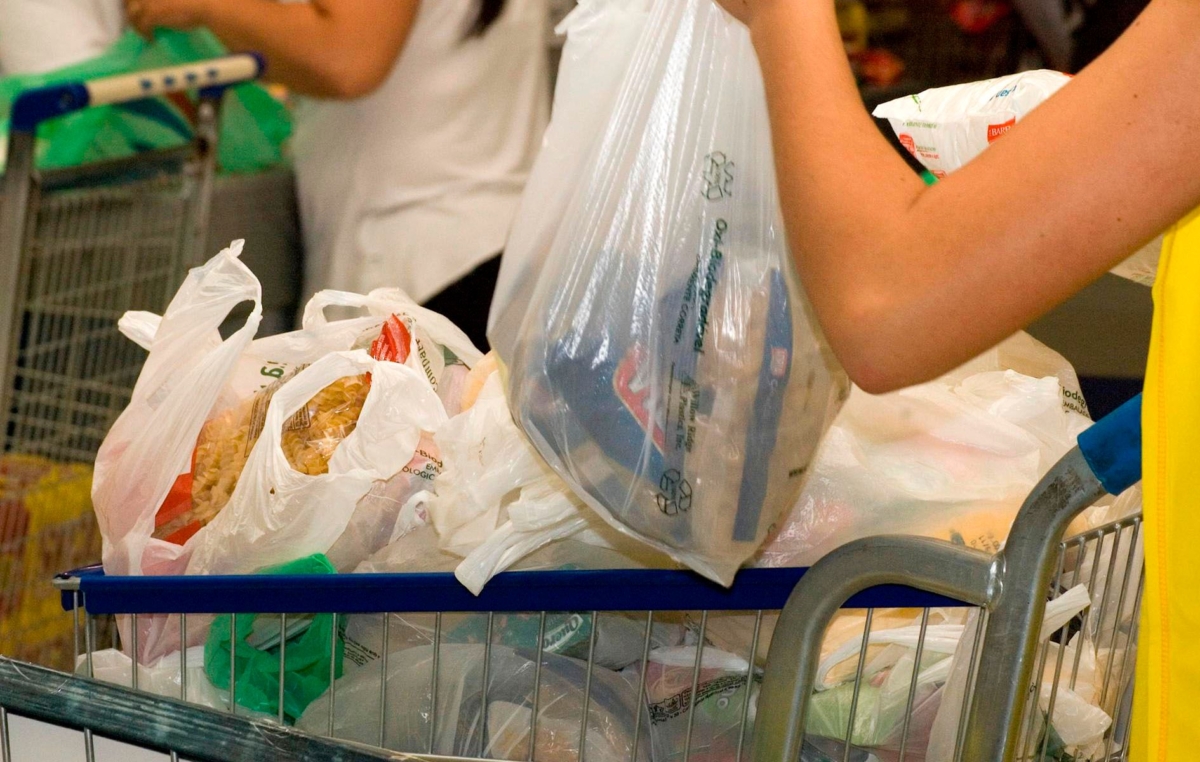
x,y
668,366
601,35
460,729
720,703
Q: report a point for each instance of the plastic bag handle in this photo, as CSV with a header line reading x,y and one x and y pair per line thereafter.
x,y
140,327
314,311
1113,447
33,107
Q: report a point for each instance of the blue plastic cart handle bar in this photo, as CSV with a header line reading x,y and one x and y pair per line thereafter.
x,y
1113,447
33,107
620,590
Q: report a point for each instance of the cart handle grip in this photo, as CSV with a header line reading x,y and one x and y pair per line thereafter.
x,y
33,107
1113,447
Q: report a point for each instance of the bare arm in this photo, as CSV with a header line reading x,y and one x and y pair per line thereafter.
x,y
322,48
909,281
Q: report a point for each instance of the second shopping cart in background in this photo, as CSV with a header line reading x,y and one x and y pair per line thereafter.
x,y
79,247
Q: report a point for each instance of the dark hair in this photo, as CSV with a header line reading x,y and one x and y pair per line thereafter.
x,y
489,11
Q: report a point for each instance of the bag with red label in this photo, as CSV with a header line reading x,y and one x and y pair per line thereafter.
x,y
668,366
946,127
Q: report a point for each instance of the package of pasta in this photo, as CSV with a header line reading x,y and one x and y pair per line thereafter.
x,y
309,438
238,453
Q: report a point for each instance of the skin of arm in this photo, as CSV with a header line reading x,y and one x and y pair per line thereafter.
x,y
908,281
339,49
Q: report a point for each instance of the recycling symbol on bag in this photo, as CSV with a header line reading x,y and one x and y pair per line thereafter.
x,y
675,493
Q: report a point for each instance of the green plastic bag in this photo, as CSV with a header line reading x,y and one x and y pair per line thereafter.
x,y
253,126
306,662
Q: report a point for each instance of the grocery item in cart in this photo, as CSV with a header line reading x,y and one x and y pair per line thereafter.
x,y
460,727
720,701
162,678
495,501
1077,721
309,438
668,366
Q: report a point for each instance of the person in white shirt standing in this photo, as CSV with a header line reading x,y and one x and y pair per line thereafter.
x,y
414,135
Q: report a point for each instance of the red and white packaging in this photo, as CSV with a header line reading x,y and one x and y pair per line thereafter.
x,y
946,127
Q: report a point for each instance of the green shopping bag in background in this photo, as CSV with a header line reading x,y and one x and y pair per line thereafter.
x,y
253,128
307,660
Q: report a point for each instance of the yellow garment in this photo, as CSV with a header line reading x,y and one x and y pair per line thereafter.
x,y
1166,721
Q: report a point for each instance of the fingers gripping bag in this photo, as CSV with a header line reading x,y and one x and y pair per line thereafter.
x,y
668,365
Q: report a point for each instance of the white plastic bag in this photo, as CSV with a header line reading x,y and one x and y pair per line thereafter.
x,y
601,35
1081,724
192,376
151,442
163,678
953,459
668,366
277,514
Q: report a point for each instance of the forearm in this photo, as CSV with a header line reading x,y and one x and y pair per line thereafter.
x,y
307,48
844,190
909,281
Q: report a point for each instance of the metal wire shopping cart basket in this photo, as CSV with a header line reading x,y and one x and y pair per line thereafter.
x,y
428,668
78,248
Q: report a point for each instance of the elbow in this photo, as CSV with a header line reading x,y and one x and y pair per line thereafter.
x,y
872,352
869,374
351,79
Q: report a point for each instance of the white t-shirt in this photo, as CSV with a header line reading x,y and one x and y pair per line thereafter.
x,y
37,36
416,184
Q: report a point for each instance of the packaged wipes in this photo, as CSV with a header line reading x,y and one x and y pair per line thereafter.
x,y
946,127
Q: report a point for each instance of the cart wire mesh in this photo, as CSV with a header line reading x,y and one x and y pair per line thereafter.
x,y
494,678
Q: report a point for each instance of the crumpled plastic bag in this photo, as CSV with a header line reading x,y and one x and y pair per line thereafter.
x,y
495,501
952,459
161,678
309,658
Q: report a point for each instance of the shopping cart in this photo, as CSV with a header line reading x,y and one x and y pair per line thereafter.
x,y
507,684
78,248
